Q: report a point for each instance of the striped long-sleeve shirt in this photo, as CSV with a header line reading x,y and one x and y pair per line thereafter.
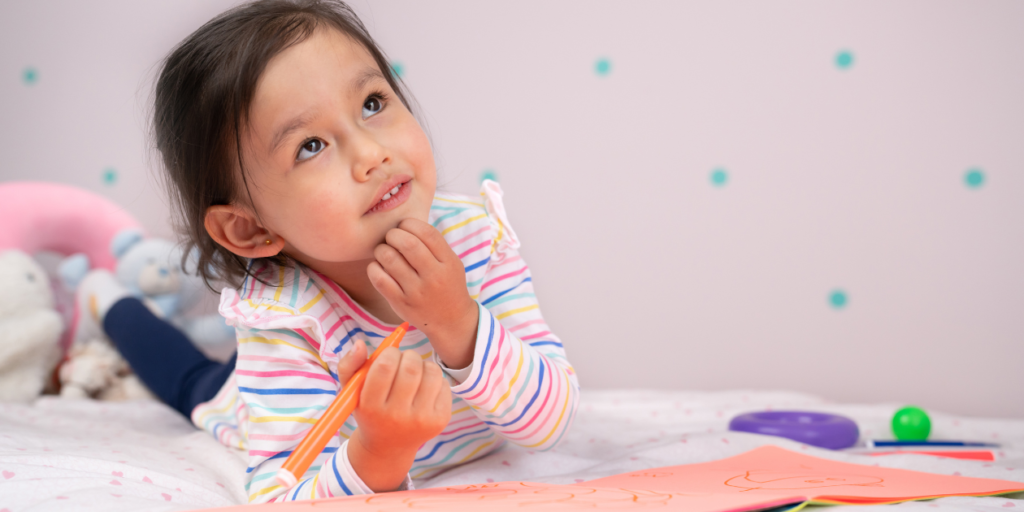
x,y
292,333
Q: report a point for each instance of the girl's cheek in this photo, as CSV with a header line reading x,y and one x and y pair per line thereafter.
x,y
327,206
414,143
309,213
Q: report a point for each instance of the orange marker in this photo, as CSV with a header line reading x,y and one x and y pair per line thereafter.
x,y
333,418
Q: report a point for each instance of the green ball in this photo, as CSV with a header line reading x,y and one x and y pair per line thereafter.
x,y
911,424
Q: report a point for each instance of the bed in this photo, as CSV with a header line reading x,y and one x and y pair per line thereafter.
x,y
64,455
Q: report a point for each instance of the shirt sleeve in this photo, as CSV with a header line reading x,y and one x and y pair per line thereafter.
x,y
285,386
520,384
459,375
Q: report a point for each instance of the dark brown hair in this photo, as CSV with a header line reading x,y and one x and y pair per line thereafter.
x,y
203,96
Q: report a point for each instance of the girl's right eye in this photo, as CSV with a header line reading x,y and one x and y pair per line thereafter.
x,y
309,149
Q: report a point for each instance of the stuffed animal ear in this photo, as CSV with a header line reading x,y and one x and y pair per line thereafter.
x,y
123,241
72,269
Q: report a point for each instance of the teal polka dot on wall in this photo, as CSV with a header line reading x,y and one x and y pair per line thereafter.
x,y
974,178
398,69
838,299
109,176
719,177
30,76
844,59
603,66
488,174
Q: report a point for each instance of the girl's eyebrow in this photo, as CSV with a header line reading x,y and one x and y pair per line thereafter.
x,y
294,124
301,120
368,75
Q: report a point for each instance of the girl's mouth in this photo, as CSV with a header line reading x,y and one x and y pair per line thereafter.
x,y
392,198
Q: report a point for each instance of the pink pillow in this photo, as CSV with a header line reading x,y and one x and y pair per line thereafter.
x,y
41,216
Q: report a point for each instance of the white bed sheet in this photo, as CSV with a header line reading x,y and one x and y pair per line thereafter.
x,y
66,455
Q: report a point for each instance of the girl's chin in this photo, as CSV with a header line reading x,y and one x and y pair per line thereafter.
x,y
327,260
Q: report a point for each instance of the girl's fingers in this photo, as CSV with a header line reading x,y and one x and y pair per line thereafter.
x,y
430,236
395,265
443,401
412,248
429,386
352,361
407,381
379,379
382,281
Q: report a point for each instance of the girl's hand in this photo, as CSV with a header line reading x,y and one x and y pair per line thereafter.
x,y
424,281
405,402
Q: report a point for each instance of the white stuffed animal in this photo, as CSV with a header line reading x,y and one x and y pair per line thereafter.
x,y
30,328
95,369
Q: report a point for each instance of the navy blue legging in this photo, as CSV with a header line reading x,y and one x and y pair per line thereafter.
x,y
163,357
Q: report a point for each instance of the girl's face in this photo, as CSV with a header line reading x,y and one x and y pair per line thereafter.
x,y
328,140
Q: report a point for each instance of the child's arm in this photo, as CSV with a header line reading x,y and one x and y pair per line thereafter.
x,y
523,389
286,386
521,384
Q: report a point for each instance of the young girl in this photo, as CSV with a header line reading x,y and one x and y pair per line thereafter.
x,y
302,176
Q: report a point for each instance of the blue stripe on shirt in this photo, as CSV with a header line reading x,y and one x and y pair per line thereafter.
x,y
337,476
477,264
438,445
355,330
487,350
540,384
287,391
495,296
539,343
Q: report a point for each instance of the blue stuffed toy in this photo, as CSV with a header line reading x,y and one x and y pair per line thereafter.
x,y
151,270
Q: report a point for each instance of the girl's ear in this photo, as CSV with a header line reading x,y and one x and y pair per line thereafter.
x,y
238,231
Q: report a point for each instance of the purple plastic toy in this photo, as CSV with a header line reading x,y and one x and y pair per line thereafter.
x,y
814,428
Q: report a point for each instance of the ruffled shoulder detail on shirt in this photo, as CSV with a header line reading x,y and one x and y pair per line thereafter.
x,y
286,299
505,238
468,222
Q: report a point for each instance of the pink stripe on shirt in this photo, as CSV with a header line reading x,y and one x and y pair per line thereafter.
x,y
506,262
538,335
336,325
551,411
526,324
309,339
474,425
541,409
501,376
502,277
285,373
494,364
467,237
477,247
273,437
269,359
352,305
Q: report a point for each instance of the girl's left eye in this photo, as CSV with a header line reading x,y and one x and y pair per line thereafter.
x,y
309,149
372,105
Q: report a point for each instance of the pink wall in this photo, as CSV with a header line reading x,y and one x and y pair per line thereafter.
x,y
842,172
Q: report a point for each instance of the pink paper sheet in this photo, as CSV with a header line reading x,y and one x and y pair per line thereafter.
x,y
766,477
770,470
519,496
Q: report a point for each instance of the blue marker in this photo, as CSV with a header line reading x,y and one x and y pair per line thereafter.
x,y
886,444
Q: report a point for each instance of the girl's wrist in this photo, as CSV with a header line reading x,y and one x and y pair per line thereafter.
x,y
455,343
381,471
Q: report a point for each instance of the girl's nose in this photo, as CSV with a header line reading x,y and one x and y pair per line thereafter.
x,y
368,154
